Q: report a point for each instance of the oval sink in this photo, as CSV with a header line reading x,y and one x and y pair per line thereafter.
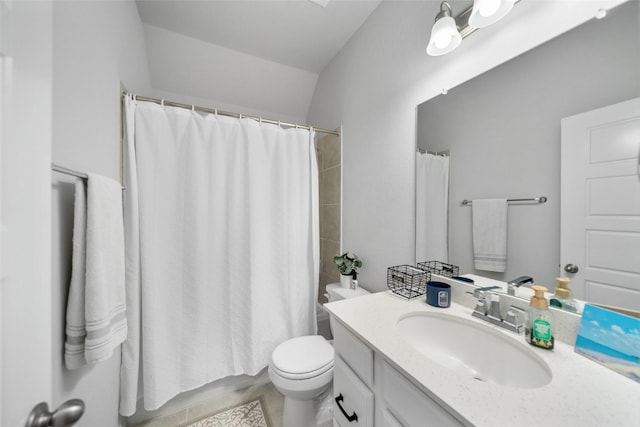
x,y
473,349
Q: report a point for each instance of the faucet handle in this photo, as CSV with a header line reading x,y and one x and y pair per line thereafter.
x,y
477,293
512,316
480,292
481,307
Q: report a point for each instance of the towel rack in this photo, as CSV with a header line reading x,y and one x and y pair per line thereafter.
x,y
541,199
72,172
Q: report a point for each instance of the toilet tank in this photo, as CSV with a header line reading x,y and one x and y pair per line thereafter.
x,y
335,292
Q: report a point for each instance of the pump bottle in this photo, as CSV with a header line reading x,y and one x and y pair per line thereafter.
x,y
539,328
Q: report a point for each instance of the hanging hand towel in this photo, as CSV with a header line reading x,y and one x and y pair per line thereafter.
x,y
490,234
96,321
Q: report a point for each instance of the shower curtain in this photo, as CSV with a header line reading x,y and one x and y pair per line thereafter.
x,y
222,257
432,207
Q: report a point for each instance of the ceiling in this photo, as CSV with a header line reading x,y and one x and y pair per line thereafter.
x,y
296,33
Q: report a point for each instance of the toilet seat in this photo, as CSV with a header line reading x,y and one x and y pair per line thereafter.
x,y
302,357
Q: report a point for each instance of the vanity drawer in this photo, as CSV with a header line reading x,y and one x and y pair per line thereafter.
x,y
352,399
354,352
409,405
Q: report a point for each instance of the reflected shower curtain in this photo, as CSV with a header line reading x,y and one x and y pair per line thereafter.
x,y
432,207
222,259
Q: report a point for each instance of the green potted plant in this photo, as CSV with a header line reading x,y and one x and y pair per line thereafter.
x,y
347,265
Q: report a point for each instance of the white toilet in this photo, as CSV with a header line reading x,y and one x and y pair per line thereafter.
x,y
302,368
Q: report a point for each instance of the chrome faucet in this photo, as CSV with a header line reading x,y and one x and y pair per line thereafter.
x,y
516,283
486,308
490,311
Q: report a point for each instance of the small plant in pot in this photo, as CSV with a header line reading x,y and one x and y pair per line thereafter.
x,y
347,265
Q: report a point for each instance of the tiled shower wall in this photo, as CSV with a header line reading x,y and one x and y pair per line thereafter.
x,y
330,172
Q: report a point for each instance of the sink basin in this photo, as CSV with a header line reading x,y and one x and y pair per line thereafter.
x,y
471,348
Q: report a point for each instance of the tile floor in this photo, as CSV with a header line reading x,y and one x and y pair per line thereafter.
x,y
272,399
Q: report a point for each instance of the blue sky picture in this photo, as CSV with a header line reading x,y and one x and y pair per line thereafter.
x,y
610,338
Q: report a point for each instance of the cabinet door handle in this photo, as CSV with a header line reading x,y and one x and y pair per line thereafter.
x,y
350,418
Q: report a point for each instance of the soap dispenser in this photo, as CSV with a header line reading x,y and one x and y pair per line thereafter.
x,y
562,297
539,329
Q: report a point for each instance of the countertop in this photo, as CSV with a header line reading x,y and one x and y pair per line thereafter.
x,y
581,392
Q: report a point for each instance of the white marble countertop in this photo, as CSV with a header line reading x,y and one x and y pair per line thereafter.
x,y
581,392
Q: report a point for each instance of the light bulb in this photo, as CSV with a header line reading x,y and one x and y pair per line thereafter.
x,y
488,7
487,12
444,32
442,39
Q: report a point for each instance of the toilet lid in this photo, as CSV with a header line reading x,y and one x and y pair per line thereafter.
x,y
303,357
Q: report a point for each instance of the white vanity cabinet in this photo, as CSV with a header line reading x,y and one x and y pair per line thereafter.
x,y
409,406
371,392
353,404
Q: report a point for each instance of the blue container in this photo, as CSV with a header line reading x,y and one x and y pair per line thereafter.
x,y
439,294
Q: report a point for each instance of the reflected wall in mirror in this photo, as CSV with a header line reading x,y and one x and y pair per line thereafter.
x,y
502,130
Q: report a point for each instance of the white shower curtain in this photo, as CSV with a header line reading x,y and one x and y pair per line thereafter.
x,y
222,247
432,207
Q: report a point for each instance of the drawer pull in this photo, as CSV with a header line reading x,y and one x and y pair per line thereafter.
x,y
350,418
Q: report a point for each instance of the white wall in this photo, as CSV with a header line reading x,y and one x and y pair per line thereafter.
x,y
96,46
25,292
503,132
373,87
236,81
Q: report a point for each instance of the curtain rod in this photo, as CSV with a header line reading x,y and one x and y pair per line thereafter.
x,y
229,114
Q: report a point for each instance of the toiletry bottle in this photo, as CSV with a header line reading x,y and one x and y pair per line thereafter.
x,y
539,329
562,297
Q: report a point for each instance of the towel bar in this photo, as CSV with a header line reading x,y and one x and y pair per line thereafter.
x,y
541,199
71,172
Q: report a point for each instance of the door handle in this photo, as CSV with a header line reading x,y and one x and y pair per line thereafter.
x,y
66,415
571,268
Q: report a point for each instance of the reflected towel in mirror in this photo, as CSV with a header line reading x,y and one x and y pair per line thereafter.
x,y
489,218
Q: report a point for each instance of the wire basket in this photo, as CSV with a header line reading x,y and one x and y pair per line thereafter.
x,y
407,281
439,268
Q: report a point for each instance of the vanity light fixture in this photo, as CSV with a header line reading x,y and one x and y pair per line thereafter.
x,y
444,34
448,31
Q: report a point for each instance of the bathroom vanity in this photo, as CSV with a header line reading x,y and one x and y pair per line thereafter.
x,y
388,373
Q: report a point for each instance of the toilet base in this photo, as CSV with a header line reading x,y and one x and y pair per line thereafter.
x,y
298,413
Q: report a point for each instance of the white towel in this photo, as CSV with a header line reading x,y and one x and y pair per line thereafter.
x,y
490,234
96,315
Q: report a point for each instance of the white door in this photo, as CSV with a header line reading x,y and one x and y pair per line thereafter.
x,y
25,216
600,204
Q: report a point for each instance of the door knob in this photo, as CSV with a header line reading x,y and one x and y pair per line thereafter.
x,y
66,415
571,268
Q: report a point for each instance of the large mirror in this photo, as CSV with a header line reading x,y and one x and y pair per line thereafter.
x,y
502,132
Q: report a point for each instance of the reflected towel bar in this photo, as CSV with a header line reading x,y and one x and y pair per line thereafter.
x,y
541,199
71,172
